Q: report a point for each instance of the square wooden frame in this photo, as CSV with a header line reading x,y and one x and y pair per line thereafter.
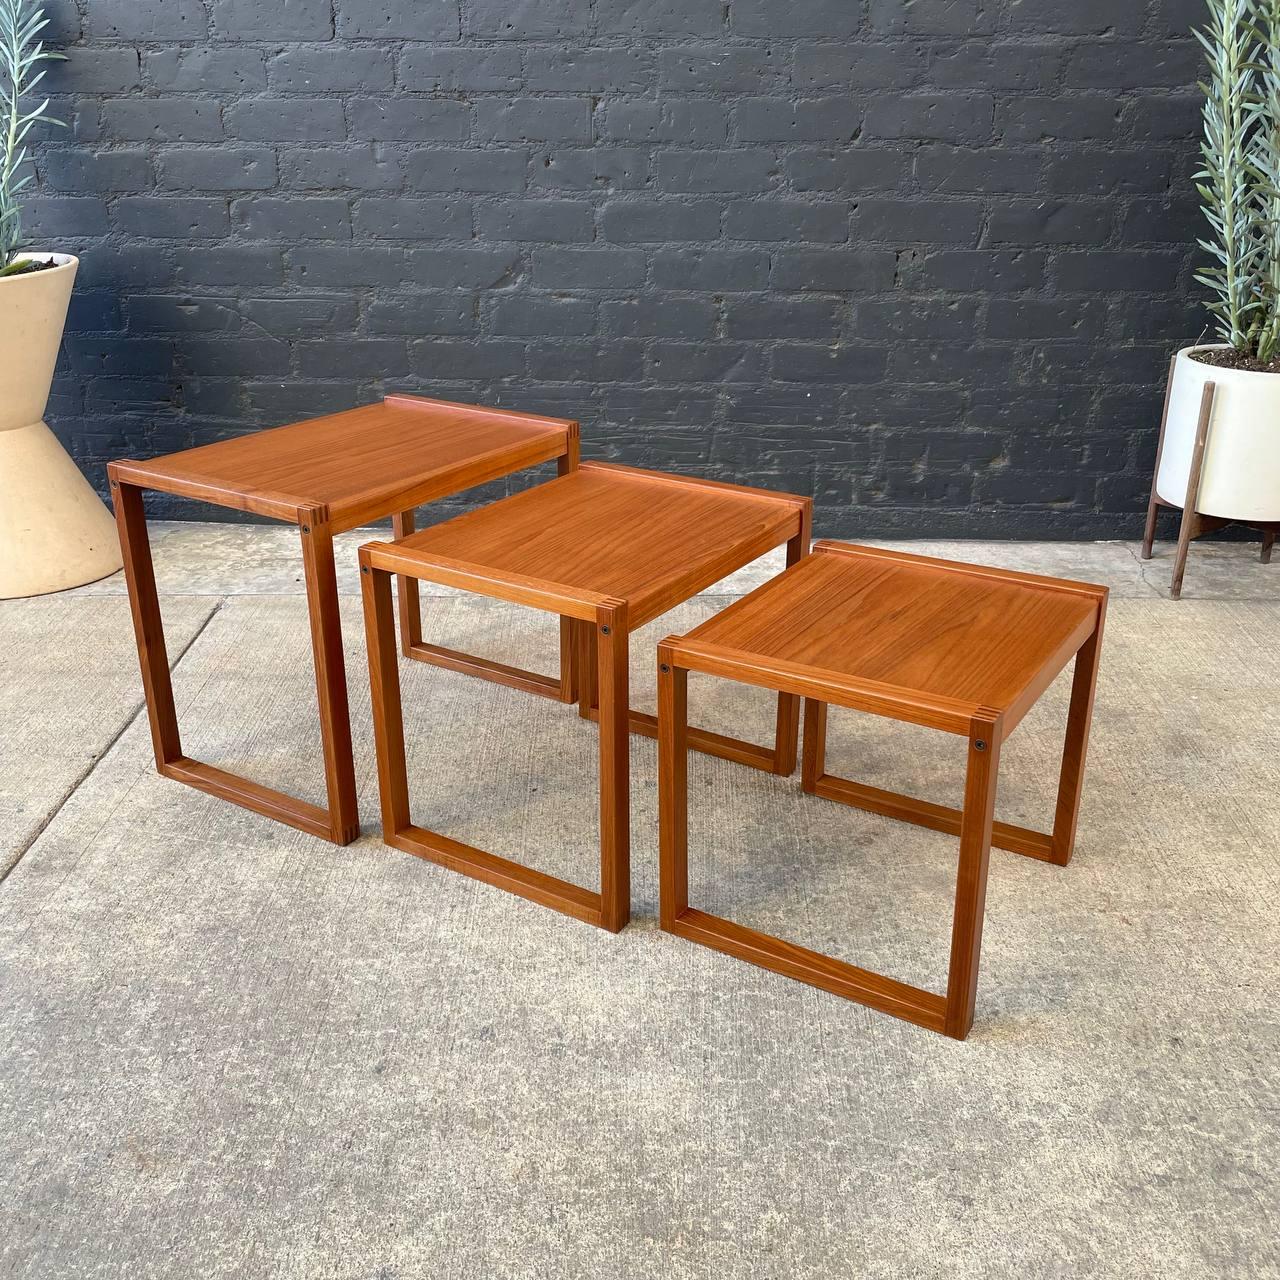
x,y
598,645
560,688
339,820
984,729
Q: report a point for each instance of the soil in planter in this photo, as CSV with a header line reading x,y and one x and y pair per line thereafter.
x,y
1233,359
26,268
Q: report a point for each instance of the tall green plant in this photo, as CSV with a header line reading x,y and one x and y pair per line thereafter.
x,y
1264,172
1224,181
21,52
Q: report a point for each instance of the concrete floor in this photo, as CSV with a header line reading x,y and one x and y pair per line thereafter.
x,y
228,1049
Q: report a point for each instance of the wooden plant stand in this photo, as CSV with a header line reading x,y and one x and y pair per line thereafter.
x,y
325,475
611,548
1193,523
955,647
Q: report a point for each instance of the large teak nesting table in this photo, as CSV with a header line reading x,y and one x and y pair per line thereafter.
x,y
611,548
328,475
955,647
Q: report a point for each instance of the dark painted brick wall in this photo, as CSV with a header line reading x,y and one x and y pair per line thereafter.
x,y
925,260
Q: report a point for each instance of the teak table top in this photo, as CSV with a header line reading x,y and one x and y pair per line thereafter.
x,y
361,464
925,640
603,531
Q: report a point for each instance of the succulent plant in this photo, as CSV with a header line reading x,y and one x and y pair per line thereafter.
x,y
1239,177
21,52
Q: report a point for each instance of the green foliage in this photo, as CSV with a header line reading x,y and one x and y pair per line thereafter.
x,y
1239,178
1264,172
1223,182
21,52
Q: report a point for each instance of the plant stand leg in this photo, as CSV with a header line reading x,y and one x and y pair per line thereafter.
x,y
1268,541
1190,526
1153,506
1185,534
1149,533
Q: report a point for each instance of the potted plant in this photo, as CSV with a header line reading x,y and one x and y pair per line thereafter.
x,y
1219,457
55,531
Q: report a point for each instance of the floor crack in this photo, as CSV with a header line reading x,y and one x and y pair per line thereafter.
x,y
99,757
1142,569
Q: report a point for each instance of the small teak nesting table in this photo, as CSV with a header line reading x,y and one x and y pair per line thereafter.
x,y
955,647
328,475
612,548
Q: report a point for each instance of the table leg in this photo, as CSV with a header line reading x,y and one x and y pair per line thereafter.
x,y
410,606
340,822
971,877
778,759
330,668
610,908
588,658
673,790
566,464
562,687
615,766
815,745
1084,683
786,737
384,686
1045,847
568,660
676,916
148,626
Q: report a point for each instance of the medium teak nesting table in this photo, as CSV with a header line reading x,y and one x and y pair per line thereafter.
x,y
328,475
611,548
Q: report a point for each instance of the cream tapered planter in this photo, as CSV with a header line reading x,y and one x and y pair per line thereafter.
x,y
55,531
1240,475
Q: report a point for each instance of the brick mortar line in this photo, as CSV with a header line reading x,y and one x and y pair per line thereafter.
x,y
881,446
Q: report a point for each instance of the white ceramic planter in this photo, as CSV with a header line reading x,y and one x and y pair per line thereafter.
x,y
1240,476
55,531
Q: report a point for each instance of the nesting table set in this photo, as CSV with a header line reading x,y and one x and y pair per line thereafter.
x,y
607,549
